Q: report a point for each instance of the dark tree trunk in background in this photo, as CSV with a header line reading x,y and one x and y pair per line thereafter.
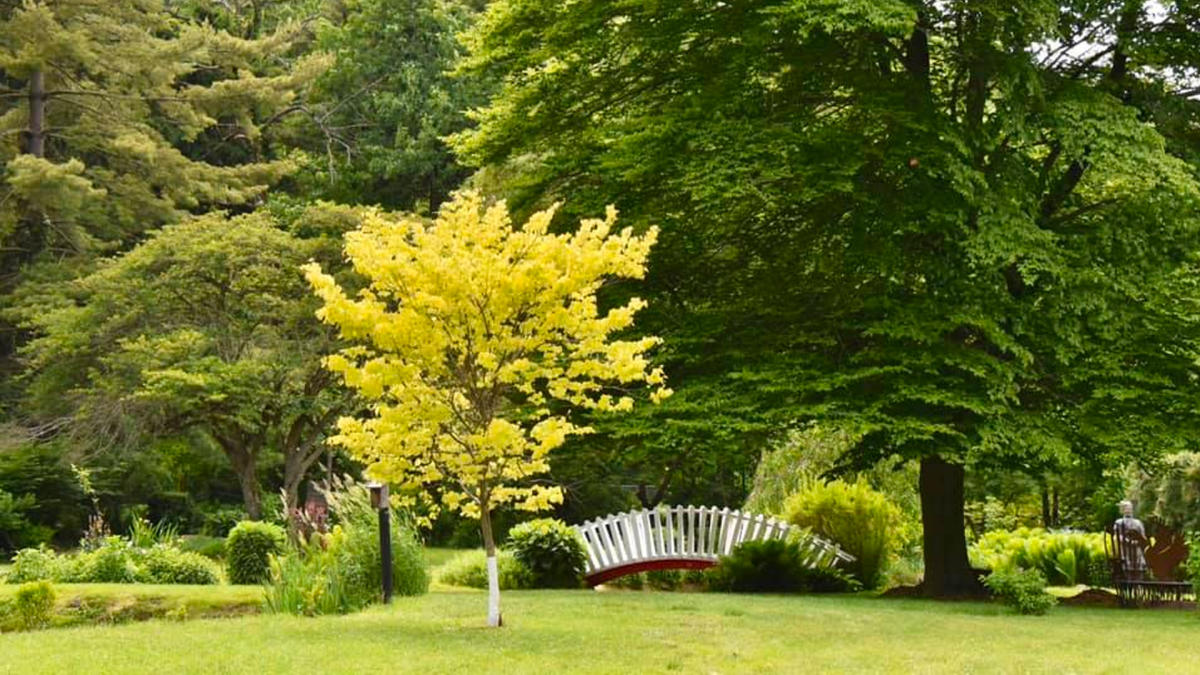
x,y
947,570
37,114
244,465
1046,507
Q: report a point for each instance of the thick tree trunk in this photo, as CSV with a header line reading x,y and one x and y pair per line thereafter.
x,y
243,463
947,570
489,546
37,114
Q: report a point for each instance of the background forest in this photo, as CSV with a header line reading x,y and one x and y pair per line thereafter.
x,y
948,247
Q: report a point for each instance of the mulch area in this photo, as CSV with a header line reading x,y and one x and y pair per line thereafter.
x,y
1091,597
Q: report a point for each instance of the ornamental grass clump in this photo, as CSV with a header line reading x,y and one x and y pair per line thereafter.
x,y
341,571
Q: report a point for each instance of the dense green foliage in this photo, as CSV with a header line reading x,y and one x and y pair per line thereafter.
x,y
1023,590
892,231
204,327
382,108
115,561
32,605
1169,493
856,517
248,551
552,552
935,223
1062,558
342,571
119,118
469,569
776,566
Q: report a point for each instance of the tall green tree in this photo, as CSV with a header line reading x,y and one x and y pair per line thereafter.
x,y
207,326
119,117
954,228
375,129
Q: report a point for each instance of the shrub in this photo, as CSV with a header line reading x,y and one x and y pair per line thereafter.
x,y
350,504
856,517
248,551
113,562
163,564
469,569
552,552
33,605
341,571
1063,558
775,566
1023,590
33,564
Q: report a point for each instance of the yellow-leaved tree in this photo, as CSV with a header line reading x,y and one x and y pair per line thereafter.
x,y
472,341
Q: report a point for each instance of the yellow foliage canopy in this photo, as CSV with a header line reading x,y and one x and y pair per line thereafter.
x,y
468,334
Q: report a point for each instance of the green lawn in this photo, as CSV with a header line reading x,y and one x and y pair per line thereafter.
x,y
440,556
628,632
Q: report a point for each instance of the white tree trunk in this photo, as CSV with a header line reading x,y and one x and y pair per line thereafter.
x,y
493,573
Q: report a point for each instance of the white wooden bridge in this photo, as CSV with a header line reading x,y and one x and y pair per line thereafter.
x,y
684,537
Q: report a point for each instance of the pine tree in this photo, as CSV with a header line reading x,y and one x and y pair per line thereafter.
x,y
117,118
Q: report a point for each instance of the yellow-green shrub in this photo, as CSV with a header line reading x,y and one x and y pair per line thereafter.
x,y
855,516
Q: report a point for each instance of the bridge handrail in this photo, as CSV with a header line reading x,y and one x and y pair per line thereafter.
x,y
688,533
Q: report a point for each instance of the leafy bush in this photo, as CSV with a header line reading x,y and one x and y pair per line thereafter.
x,y
33,564
15,529
113,562
856,517
163,564
470,570
1023,590
1063,558
248,551
342,571
775,566
807,454
33,605
1170,493
552,552
350,505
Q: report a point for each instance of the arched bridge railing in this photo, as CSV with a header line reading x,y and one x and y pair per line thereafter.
x,y
683,537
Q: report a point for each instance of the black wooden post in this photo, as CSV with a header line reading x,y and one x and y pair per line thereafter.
x,y
379,499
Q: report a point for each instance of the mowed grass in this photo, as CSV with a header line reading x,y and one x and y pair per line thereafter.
x,y
631,632
436,557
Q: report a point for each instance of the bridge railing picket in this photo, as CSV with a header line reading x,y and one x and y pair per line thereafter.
x,y
688,533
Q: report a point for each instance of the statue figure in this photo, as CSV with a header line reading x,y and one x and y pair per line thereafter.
x,y
1130,535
